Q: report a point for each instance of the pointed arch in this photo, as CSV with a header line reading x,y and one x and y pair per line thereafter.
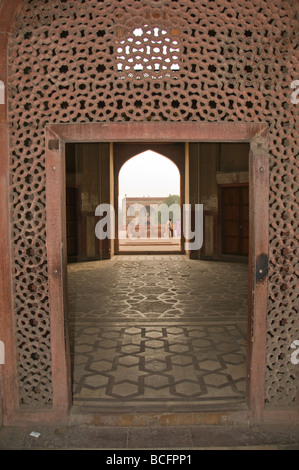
x,y
146,166
172,153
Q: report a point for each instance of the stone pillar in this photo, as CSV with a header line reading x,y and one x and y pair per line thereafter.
x,y
8,370
194,185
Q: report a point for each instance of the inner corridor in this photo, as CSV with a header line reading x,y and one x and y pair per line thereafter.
x,y
158,332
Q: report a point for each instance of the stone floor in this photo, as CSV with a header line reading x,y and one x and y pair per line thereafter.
x,y
140,440
158,331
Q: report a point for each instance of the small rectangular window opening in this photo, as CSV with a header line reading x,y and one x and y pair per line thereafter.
x,y
148,52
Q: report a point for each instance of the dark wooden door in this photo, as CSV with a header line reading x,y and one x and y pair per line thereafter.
x,y
72,220
235,219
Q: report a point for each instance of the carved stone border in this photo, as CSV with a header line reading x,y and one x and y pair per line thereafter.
x,y
56,138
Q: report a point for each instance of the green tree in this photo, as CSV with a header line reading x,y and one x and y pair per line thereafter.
x,y
172,199
170,208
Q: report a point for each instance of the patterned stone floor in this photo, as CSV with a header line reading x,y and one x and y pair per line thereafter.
x,y
158,331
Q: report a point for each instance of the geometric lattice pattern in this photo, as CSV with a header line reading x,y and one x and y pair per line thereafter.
x,y
163,289
178,345
231,60
159,365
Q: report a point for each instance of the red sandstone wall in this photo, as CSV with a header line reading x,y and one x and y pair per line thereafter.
x,y
237,61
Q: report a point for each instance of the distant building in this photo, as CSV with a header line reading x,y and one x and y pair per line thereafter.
x,y
132,211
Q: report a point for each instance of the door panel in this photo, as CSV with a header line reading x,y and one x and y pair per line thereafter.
x,y
235,219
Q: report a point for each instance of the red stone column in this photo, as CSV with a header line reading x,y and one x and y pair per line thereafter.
x,y
7,333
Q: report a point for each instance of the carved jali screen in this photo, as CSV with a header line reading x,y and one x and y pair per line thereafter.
x,y
149,60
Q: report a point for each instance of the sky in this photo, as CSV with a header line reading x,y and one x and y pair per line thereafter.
x,y
149,174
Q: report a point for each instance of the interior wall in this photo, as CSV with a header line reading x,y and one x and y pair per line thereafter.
x,y
212,165
88,169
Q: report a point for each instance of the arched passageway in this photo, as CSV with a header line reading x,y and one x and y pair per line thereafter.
x,y
173,157
149,205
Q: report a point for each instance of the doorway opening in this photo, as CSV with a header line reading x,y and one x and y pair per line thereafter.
x,y
149,205
154,331
57,139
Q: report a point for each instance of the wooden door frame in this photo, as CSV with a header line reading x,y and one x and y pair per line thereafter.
x,y
56,136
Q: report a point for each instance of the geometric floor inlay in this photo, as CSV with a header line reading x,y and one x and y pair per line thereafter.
x,y
174,339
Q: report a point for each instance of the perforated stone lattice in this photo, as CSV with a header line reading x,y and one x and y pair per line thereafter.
x,y
234,60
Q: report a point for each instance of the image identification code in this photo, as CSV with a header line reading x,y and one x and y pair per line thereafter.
x,y
163,459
